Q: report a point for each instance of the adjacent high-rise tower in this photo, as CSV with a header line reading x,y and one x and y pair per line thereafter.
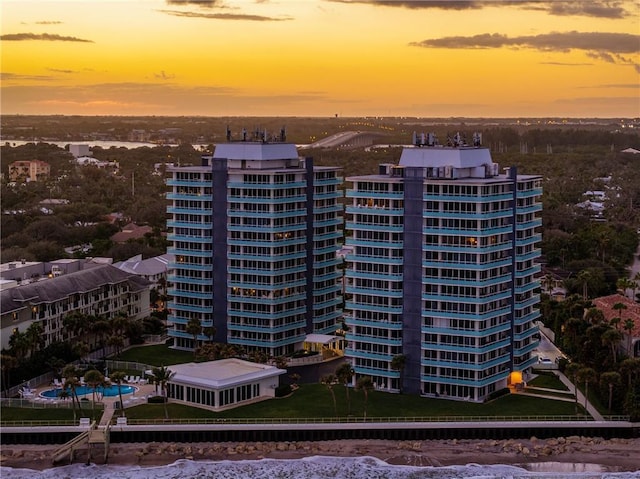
x,y
254,231
442,272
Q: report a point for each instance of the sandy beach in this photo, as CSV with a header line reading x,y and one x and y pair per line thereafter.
x,y
615,455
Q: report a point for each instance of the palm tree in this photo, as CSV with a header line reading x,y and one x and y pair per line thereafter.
x,y
611,337
629,325
118,378
56,365
194,328
398,363
365,384
117,342
587,375
120,322
622,284
636,284
119,327
161,376
93,378
70,383
583,278
76,323
615,322
594,316
19,345
619,307
344,373
35,337
610,379
547,283
328,380
81,349
280,362
209,332
7,363
631,367
572,371
101,327
162,283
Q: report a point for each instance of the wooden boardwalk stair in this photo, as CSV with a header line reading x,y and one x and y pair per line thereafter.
x,y
92,437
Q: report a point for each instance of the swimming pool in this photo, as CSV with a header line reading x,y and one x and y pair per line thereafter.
x,y
84,390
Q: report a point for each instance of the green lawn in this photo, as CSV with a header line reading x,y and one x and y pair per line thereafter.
x,y
315,401
547,380
156,355
176,411
10,414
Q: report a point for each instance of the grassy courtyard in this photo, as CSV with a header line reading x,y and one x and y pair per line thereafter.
x,y
315,401
47,415
548,380
155,355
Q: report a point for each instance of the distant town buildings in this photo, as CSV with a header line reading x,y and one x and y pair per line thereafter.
x,y
79,150
595,201
91,161
153,269
441,290
139,135
130,232
254,232
23,171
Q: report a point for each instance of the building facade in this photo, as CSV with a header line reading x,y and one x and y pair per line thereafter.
x,y
254,231
442,272
223,384
98,291
33,170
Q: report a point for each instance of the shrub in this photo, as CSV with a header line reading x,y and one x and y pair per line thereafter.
x,y
562,364
498,393
156,399
283,390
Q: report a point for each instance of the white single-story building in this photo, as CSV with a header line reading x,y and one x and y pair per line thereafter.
x,y
224,383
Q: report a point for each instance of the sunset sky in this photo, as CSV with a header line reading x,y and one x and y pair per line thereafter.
x,y
321,58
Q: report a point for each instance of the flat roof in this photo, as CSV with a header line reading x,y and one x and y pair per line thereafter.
x,y
11,265
460,157
319,338
223,373
246,150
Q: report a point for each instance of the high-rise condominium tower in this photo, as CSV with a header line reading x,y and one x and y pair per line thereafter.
x,y
254,231
442,272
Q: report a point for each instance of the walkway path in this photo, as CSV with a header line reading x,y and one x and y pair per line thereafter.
x,y
590,408
107,415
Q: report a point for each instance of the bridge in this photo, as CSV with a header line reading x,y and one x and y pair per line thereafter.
x,y
346,140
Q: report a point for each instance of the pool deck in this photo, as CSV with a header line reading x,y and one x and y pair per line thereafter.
x,y
139,396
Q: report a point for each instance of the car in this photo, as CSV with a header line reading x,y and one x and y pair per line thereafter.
x,y
543,360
